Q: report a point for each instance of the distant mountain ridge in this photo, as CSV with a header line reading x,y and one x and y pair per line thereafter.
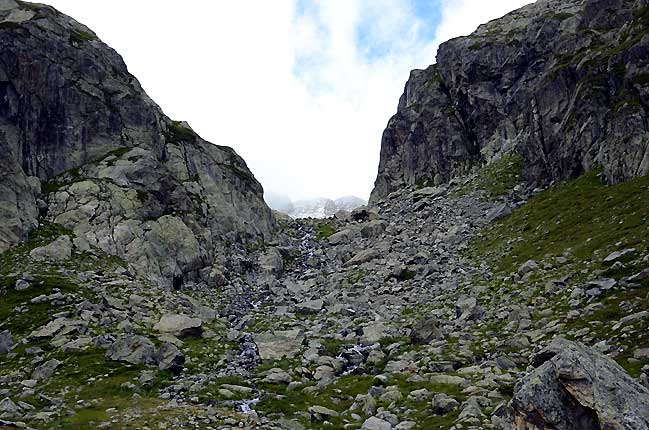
x,y
312,208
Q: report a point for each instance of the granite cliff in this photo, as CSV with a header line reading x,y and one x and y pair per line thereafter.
x,y
561,83
85,146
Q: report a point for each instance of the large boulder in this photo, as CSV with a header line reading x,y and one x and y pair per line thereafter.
x,y
58,250
276,345
272,262
169,357
425,330
46,370
180,325
132,349
574,387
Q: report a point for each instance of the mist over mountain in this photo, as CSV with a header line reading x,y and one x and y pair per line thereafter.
x,y
311,208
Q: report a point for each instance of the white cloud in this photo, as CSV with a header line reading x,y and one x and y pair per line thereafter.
x,y
296,96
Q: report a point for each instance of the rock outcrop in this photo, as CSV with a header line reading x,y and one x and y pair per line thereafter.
x,y
114,168
575,387
562,83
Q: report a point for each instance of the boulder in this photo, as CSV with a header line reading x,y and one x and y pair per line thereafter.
x,y
362,257
8,407
618,255
169,357
277,376
442,404
132,349
278,344
373,229
21,285
309,307
340,237
45,370
58,250
180,326
425,330
374,423
272,262
467,309
319,413
6,342
528,267
499,211
58,327
574,387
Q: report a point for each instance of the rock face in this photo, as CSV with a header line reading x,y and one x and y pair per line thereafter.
x,y
562,83
115,169
575,387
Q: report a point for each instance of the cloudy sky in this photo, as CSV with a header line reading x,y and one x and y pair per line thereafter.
x,y
302,89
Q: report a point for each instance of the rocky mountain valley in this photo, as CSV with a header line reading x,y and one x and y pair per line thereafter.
x,y
497,279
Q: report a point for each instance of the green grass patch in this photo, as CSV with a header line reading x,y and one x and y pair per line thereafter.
x,y
497,178
177,133
576,217
337,396
324,230
79,36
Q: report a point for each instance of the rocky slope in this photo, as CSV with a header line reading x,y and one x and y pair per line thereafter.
x,y
431,312
562,83
481,303
83,144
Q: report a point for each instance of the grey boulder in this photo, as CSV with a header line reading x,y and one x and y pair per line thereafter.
x,y
6,342
59,250
425,331
169,357
132,349
180,325
46,370
574,387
